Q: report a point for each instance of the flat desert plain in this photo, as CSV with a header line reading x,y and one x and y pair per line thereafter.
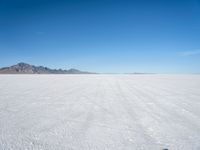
x,y
99,112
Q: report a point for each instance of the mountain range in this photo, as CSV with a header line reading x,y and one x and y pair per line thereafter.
x,y
24,68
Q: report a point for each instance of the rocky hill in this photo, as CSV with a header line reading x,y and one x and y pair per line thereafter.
x,y
24,68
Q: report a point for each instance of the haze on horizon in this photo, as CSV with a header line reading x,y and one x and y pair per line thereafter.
x,y
105,36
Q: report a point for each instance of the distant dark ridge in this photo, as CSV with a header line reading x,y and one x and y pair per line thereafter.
x,y
24,68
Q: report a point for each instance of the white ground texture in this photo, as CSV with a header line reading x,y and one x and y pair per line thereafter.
x,y
99,112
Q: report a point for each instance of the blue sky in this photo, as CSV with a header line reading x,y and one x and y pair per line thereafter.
x,y
161,36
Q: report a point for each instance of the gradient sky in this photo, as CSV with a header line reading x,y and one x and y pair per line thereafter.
x,y
160,36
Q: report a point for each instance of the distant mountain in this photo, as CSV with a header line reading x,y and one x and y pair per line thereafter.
x,y
24,68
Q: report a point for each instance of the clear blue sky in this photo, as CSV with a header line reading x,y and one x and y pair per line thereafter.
x,y
161,36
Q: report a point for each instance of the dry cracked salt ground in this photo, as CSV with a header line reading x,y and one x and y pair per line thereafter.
x,y
99,112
